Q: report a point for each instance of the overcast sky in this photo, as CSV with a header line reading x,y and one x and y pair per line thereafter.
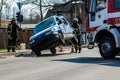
x,y
26,9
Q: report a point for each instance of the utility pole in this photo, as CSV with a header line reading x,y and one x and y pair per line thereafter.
x,y
75,9
71,10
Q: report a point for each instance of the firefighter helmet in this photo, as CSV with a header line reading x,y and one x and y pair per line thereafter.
x,y
13,20
75,20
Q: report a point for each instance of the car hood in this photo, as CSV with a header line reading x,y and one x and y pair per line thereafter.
x,y
43,33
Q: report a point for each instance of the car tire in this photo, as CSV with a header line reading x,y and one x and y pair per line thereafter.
x,y
107,48
53,51
38,53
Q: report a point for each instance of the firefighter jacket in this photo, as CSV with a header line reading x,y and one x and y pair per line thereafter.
x,y
13,30
77,30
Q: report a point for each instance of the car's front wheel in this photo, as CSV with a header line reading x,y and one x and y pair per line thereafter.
x,y
53,50
38,53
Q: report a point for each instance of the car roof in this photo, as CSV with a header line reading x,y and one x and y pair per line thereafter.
x,y
54,16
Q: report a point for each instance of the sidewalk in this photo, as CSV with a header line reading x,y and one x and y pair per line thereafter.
x,y
5,53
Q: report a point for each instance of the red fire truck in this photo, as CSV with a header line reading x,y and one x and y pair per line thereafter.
x,y
103,26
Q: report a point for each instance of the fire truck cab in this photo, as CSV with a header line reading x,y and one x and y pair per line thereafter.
x,y
103,26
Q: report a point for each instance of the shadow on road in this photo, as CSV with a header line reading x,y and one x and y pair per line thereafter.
x,y
94,60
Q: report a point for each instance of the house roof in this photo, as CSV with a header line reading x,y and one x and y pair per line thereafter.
x,y
4,23
64,8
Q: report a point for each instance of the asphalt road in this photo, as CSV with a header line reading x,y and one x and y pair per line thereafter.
x,y
88,65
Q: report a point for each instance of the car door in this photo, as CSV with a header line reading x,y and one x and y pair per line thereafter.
x,y
61,26
67,27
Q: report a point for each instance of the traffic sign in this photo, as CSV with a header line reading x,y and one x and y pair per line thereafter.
x,y
19,5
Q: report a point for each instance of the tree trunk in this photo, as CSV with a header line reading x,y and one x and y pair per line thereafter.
x,y
41,14
1,11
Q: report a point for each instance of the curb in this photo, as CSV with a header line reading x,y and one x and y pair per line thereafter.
x,y
5,53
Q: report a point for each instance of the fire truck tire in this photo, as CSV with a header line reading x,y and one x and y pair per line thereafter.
x,y
107,48
53,50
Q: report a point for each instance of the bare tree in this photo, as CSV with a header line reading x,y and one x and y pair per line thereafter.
x,y
44,5
1,5
7,6
39,4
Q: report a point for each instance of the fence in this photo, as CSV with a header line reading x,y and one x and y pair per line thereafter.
x,y
23,37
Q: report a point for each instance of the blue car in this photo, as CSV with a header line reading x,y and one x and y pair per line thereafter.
x,y
50,33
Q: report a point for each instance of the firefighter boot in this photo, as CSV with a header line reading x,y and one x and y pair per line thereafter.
x,y
76,49
13,49
8,49
79,49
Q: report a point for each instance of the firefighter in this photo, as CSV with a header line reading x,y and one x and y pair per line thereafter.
x,y
12,35
77,33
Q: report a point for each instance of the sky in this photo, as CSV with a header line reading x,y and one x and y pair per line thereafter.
x,y
26,9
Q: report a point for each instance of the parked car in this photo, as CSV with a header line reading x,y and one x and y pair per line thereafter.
x,y
50,33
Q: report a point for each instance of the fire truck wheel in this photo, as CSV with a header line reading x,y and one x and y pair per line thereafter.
x,y
107,48
38,53
53,50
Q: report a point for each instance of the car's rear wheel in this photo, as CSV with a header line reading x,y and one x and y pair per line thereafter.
x,y
53,50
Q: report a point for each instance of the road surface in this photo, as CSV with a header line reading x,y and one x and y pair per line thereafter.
x,y
88,65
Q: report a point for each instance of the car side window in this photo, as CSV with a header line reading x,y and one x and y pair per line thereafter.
x,y
64,21
58,21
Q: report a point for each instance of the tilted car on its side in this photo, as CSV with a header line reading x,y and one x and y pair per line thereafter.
x,y
50,33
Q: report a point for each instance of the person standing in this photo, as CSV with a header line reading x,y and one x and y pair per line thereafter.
x,y
12,35
77,33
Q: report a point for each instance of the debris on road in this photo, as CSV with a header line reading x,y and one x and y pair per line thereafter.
x,y
25,55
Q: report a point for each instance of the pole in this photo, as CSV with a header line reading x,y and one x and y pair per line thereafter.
x,y
71,10
19,18
75,10
19,6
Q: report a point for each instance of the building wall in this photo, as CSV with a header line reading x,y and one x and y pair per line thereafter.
x,y
3,38
24,36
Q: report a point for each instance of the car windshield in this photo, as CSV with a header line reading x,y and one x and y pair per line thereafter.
x,y
44,25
